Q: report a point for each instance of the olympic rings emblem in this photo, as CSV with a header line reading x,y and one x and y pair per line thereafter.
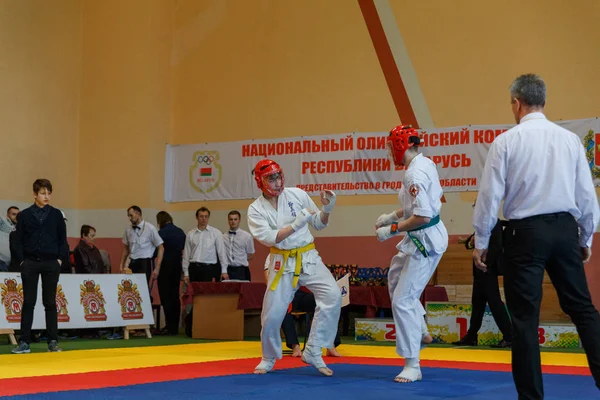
x,y
205,159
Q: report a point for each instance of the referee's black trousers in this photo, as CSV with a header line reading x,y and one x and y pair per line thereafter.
x,y
546,242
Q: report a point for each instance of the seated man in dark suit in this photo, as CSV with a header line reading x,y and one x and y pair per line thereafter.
x,y
486,290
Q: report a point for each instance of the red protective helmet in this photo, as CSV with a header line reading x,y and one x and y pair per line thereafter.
x,y
398,142
262,171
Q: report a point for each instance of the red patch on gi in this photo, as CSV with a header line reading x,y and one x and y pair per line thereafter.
x,y
413,190
277,265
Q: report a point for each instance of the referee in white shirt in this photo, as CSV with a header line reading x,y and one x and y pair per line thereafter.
x,y
239,246
540,171
204,256
139,242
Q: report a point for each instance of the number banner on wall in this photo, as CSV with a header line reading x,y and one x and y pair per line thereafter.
x,y
352,163
449,322
82,301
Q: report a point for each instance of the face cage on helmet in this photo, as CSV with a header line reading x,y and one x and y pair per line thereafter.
x,y
392,153
266,183
390,150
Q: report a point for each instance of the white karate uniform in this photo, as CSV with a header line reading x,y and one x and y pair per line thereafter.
x,y
410,271
264,223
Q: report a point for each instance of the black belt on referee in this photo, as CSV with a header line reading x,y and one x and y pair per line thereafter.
x,y
543,217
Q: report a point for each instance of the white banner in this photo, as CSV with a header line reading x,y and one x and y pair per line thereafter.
x,y
352,163
82,301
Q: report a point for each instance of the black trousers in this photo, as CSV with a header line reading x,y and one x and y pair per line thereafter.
x,y
199,272
304,302
486,290
168,283
549,242
142,266
241,273
30,275
204,272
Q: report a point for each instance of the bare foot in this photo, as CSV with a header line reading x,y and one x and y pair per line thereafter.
x,y
409,375
317,362
296,352
333,352
427,339
260,371
264,366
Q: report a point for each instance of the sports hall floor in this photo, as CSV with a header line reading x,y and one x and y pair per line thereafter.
x,y
181,368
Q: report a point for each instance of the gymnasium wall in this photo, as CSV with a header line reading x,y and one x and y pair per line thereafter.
x,y
40,70
96,89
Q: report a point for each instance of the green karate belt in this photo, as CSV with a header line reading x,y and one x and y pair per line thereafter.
x,y
433,221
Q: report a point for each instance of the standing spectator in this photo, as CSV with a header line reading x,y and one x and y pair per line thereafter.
x,y
239,246
204,257
169,275
41,248
487,291
139,242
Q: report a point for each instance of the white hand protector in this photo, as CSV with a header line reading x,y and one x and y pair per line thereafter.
x,y
386,232
302,219
386,219
329,195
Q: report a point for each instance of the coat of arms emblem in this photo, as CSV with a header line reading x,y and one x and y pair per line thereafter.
x,y
130,300
12,299
61,305
92,300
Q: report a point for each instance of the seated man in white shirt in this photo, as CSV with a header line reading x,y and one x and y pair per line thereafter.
x,y
239,246
204,256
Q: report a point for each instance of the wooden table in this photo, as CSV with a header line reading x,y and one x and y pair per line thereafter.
x,y
220,307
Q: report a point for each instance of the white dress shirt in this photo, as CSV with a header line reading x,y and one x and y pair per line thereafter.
x,y
238,245
142,241
202,246
537,167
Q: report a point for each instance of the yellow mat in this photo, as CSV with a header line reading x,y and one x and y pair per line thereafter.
x,y
81,361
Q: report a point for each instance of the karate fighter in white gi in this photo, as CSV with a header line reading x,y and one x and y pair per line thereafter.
x,y
420,250
279,219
